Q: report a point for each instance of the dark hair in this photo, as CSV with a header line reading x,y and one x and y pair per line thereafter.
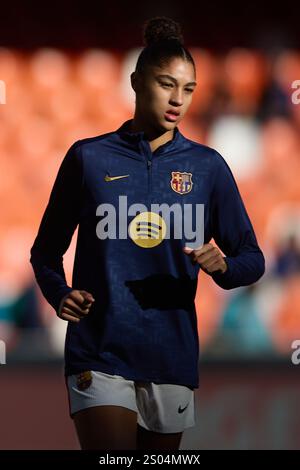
x,y
163,40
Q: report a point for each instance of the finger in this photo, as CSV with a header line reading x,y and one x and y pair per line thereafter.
x,y
220,265
190,252
208,251
207,258
71,312
86,303
213,267
88,298
67,317
207,248
70,304
78,297
198,251
187,249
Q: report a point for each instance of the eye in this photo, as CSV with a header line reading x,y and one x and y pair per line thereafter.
x,y
190,90
167,84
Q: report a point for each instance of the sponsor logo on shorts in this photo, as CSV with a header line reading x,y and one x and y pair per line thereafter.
x,y
181,410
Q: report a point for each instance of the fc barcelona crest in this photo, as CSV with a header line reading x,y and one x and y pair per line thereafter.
x,y
84,380
181,182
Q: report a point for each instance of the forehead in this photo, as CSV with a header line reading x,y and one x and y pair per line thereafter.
x,y
178,68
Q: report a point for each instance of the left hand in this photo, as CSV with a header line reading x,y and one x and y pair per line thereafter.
x,y
209,257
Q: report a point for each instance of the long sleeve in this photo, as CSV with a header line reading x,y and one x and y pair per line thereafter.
x,y
57,227
233,232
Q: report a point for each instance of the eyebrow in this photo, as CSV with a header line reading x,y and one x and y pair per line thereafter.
x,y
174,79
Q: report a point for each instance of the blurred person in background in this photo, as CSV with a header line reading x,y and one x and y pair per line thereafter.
x,y
287,257
241,332
131,350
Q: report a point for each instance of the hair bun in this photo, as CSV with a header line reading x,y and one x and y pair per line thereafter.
x,y
161,28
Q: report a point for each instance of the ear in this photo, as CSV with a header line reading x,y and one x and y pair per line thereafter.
x,y
133,80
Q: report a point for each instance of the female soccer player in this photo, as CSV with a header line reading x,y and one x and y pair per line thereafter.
x,y
131,351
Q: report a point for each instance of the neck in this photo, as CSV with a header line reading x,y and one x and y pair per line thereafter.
x,y
155,137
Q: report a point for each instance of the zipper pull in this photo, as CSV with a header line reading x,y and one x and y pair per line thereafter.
x,y
149,163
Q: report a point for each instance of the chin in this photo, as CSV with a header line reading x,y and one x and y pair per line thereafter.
x,y
167,125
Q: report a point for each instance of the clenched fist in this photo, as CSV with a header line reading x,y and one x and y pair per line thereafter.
x,y
75,305
209,257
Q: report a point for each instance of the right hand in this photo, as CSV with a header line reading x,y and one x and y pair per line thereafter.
x,y
75,305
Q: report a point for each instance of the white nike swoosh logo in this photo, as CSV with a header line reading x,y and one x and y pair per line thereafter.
x,y
111,178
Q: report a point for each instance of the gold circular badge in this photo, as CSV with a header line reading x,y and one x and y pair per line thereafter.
x,y
147,229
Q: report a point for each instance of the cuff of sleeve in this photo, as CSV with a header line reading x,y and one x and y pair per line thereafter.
x,y
59,296
223,279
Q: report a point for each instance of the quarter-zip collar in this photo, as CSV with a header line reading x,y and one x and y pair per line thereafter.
x,y
139,137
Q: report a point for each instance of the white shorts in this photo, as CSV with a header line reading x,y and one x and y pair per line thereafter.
x,y
165,408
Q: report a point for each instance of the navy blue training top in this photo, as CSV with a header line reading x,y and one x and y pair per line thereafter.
x,y
143,323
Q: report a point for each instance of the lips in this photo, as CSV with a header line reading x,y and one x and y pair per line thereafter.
x,y
172,115
173,111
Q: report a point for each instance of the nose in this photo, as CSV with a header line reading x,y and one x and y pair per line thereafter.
x,y
176,97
